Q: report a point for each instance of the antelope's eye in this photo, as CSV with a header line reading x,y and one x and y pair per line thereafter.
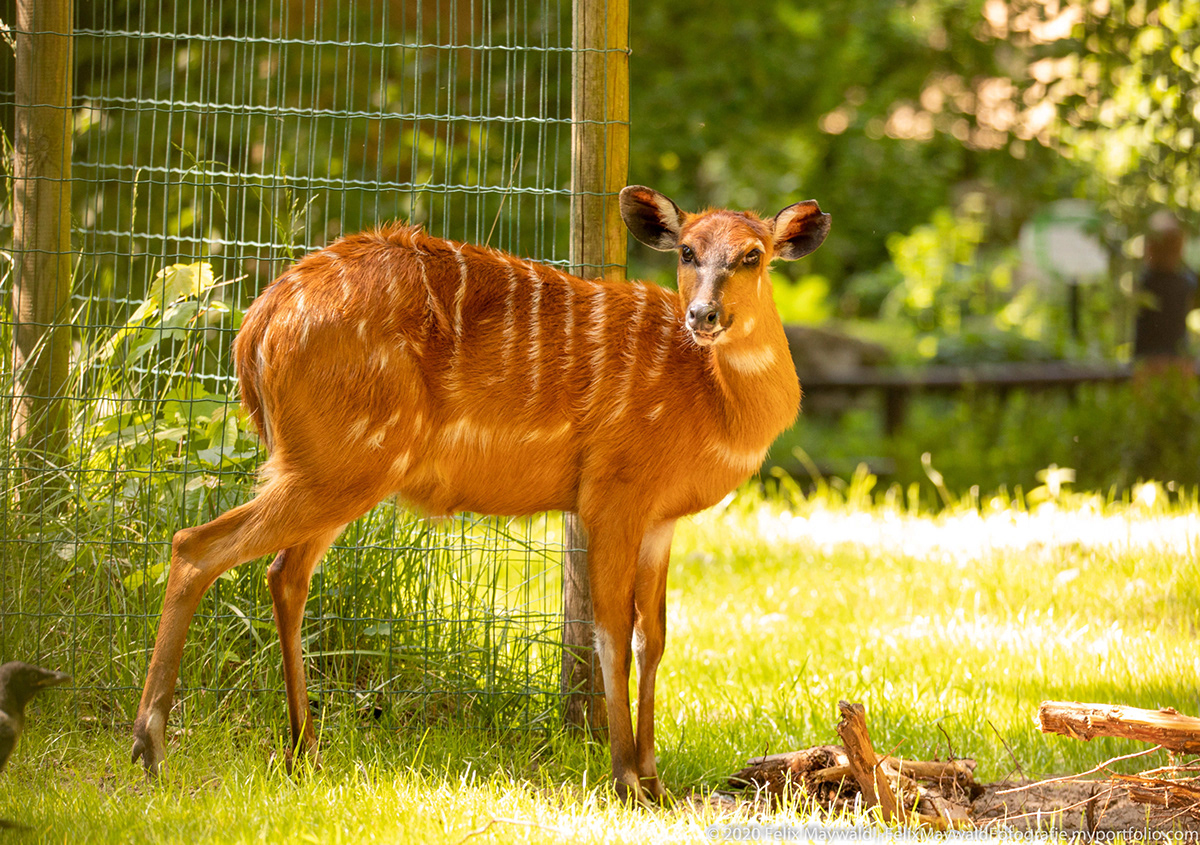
x,y
751,257
685,252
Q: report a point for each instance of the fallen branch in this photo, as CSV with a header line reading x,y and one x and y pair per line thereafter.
x,y
1165,727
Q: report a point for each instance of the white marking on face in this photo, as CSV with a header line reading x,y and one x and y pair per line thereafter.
x,y
748,325
749,361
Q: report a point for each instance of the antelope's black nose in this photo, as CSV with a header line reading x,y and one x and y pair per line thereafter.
x,y
704,317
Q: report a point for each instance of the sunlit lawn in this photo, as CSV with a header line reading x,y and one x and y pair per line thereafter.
x,y
950,629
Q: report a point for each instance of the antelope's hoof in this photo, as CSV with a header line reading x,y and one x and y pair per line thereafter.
x,y
299,762
655,794
148,746
631,794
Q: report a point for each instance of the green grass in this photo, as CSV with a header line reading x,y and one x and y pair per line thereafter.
x,y
949,628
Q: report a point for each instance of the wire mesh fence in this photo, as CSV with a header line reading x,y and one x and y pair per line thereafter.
x,y
214,142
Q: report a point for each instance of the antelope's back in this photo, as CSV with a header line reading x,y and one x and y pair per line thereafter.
x,y
468,378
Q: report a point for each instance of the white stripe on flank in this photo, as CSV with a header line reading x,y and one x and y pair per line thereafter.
x,y
430,299
509,349
749,361
595,332
375,441
535,435
658,363
568,350
629,351
535,336
464,432
402,463
453,375
461,295
359,428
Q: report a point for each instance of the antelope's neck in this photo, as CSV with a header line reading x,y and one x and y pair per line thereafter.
x,y
759,384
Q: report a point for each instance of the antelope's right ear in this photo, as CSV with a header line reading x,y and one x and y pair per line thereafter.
x,y
800,229
651,217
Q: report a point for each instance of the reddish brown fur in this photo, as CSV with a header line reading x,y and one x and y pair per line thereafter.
x,y
462,378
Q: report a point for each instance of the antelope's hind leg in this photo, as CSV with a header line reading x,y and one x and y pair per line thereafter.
x,y
289,577
198,556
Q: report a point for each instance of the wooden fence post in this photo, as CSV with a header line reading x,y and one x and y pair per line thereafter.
x,y
42,231
599,167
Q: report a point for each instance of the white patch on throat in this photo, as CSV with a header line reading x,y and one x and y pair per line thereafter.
x,y
742,461
752,360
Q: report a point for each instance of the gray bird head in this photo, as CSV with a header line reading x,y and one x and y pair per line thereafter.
x,y
20,682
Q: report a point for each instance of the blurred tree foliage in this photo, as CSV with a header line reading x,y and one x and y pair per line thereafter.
x,y
885,111
888,111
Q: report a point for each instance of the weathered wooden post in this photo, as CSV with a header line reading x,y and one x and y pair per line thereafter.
x,y
599,166
42,231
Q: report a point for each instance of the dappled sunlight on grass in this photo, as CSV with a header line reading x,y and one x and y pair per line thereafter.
x,y
969,535
950,628
962,622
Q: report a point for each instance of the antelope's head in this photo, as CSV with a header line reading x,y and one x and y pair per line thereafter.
x,y
723,256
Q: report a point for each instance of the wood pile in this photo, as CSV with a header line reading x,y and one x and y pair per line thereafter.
x,y
933,794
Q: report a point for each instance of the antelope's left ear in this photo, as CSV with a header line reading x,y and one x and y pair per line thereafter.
x,y
800,229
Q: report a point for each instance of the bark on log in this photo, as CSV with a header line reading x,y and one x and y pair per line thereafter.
x,y
795,766
864,764
1165,727
1160,792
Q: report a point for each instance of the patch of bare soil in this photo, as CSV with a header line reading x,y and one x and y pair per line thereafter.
x,y
1075,806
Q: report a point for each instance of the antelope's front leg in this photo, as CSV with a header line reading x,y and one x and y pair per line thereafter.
x,y
612,567
650,630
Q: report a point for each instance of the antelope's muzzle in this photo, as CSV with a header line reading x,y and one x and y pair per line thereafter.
x,y
704,322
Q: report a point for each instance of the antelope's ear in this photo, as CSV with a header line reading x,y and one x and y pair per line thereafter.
x,y
800,229
651,217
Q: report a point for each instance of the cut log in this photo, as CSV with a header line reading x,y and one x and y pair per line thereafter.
x,y
864,764
1165,727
